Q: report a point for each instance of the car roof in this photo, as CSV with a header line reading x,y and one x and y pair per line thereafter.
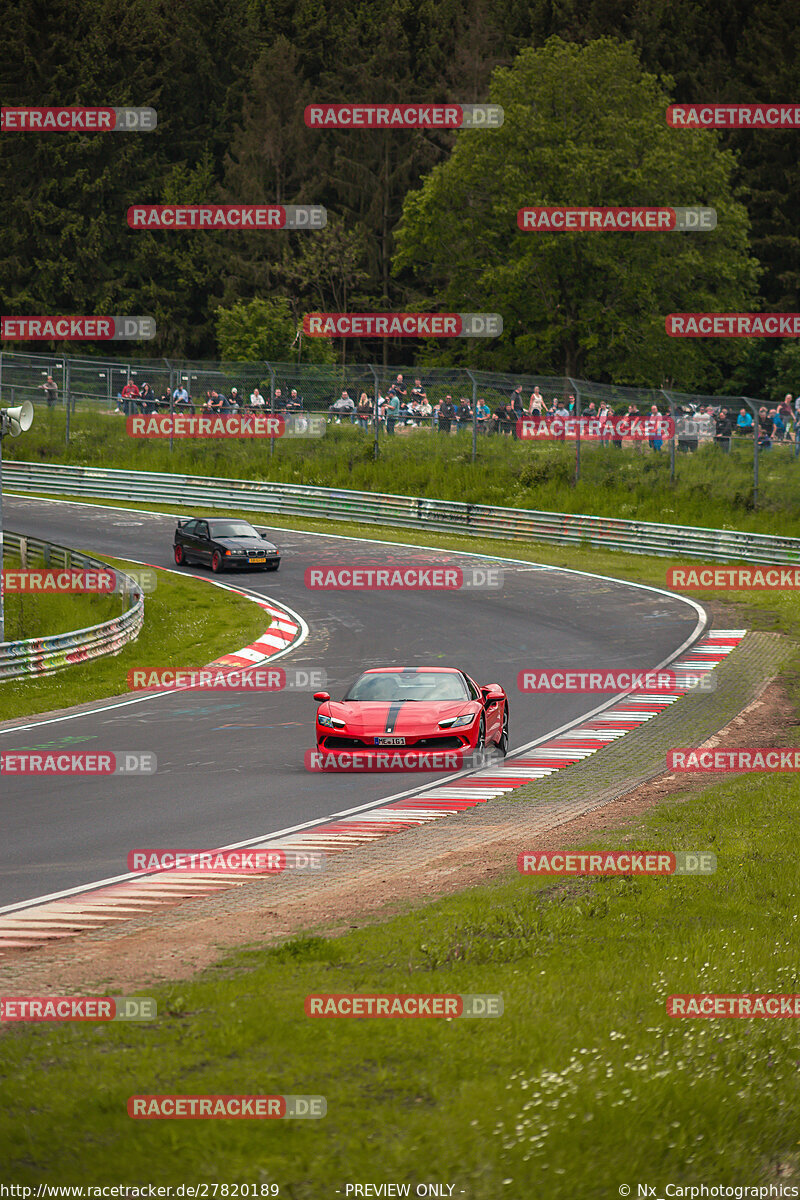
x,y
411,670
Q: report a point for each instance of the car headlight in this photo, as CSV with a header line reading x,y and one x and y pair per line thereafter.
x,y
330,722
457,722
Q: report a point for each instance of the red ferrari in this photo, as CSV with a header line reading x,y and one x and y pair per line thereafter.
x,y
423,708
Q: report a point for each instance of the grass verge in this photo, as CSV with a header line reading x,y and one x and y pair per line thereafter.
x,y
582,1087
584,1084
47,614
187,624
711,488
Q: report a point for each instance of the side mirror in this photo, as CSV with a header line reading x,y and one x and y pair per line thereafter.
x,y
321,696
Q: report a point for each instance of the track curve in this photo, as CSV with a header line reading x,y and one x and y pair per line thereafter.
x,y
231,767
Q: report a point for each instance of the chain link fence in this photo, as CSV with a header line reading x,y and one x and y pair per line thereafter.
x,y
357,394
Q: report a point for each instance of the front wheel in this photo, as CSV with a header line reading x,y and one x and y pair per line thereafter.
x,y
480,744
502,743
216,562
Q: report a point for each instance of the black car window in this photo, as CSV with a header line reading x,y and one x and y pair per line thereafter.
x,y
474,694
232,529
202,529
189,527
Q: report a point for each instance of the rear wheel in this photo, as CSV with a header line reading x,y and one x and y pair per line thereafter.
x,y
216,562
180,558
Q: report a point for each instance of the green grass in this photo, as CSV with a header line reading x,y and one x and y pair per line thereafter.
x,y
583,1084
46,614
188,623
711,489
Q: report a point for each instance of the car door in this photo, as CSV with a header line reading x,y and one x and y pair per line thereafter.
x,y
204,548
185,537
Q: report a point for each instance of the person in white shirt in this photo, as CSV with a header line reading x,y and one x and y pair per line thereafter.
x,y
256,399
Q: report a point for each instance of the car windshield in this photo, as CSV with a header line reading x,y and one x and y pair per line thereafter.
x,y
232,529
394,687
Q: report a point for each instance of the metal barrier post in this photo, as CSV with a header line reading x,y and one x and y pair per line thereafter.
x,y
577,394
474,414
67,386
271,404
2,611
171,405
754,406
673,439
376,415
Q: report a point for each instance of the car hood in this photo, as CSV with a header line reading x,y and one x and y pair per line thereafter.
x,y
381,717
242,543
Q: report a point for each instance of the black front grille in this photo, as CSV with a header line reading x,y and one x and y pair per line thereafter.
x,y
330,742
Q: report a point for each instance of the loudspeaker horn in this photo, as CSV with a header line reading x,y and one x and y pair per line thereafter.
x,y
20,418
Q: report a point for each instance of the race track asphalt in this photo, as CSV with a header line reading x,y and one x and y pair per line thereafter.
x,y
230,767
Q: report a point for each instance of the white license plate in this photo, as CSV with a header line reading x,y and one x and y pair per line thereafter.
x,y
390,741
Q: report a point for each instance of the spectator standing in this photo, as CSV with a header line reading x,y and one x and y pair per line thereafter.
x,y
464,414
50,388
130,394
765,430
785,411
537,407
447,414
517,402
777,425
655,442
744,422
484,416
180,396
148,402
723,429
365,411
391,409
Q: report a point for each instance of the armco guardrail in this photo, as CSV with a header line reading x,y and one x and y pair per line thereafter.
x,y
413,512
42,656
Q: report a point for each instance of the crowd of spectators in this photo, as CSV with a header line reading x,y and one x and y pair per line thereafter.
x,y
410,408
135,399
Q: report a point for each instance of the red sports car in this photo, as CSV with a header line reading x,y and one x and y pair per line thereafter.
x,y
422,708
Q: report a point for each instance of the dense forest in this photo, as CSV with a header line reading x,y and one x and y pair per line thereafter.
x,y
416,219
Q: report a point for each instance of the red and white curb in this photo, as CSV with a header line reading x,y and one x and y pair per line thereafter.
x,y
67,916
285,631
